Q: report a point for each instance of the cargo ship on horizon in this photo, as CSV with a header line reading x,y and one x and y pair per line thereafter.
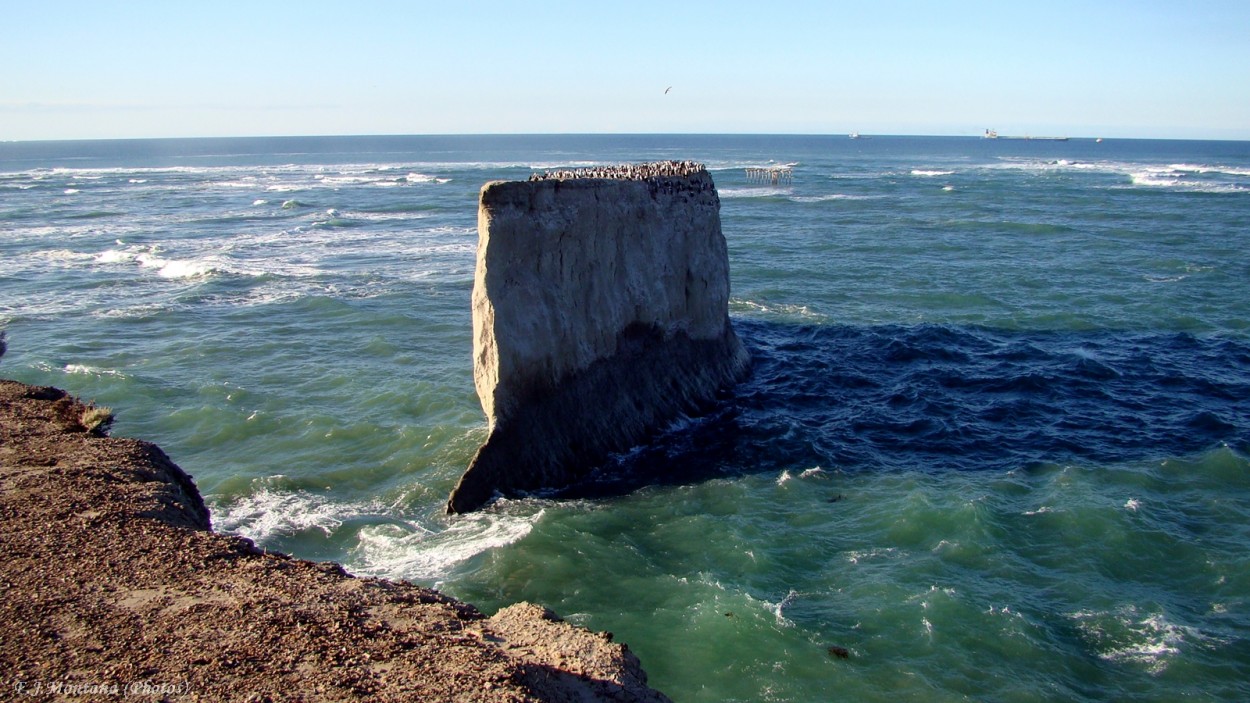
x,y
993,134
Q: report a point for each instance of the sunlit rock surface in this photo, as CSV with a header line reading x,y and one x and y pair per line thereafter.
x,y
600,314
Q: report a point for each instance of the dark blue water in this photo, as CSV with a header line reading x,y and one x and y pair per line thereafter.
x,y
956,398
941,398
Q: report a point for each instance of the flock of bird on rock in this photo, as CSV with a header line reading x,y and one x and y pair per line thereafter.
x,y
639,172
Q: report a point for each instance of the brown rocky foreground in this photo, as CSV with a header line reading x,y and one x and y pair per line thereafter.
x,y
113,586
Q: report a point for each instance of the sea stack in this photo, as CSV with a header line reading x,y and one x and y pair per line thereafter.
x,y
600,314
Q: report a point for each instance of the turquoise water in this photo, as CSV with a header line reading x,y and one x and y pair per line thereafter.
x,y
996,445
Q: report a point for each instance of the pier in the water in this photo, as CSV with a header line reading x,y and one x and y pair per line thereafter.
x,y
771,174
600,314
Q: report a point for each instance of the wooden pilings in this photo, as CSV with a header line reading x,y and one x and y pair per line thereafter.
x,y
770,174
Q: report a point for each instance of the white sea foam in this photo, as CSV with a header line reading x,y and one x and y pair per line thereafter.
x,y
64,256
1188,177
246,182
785,476
422,178
1155,176
114,256
855,556
351,180
132,311
387,216
555,165
152,258
930,172
923,598
410,551
268,513
1203,168
1128,635
84,370
752,192
829,197
447,229
781,310
1125,636
1137,173
176,268
786,602
98,172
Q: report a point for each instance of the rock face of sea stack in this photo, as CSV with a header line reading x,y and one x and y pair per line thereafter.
x,y
600,314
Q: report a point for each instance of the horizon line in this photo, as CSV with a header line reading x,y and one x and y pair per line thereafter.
x,y
843,135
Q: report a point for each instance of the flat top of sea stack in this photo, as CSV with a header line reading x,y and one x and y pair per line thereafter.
x,y
637,172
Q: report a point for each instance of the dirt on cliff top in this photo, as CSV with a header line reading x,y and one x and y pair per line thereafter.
x,y
112,586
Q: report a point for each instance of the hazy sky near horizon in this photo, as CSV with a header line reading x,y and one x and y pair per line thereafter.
x,y
1112,68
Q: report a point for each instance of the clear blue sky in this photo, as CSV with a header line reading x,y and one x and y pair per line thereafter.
x,y
172,68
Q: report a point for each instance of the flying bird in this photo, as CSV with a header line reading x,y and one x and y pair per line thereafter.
x,y
667,89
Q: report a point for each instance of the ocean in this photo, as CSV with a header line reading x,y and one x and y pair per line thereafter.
x,y
995,446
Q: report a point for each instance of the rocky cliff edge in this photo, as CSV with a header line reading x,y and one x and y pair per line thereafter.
x,y
112,585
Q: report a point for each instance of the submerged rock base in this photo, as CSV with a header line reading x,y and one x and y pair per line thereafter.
x,y
600,314
114,586
606,408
